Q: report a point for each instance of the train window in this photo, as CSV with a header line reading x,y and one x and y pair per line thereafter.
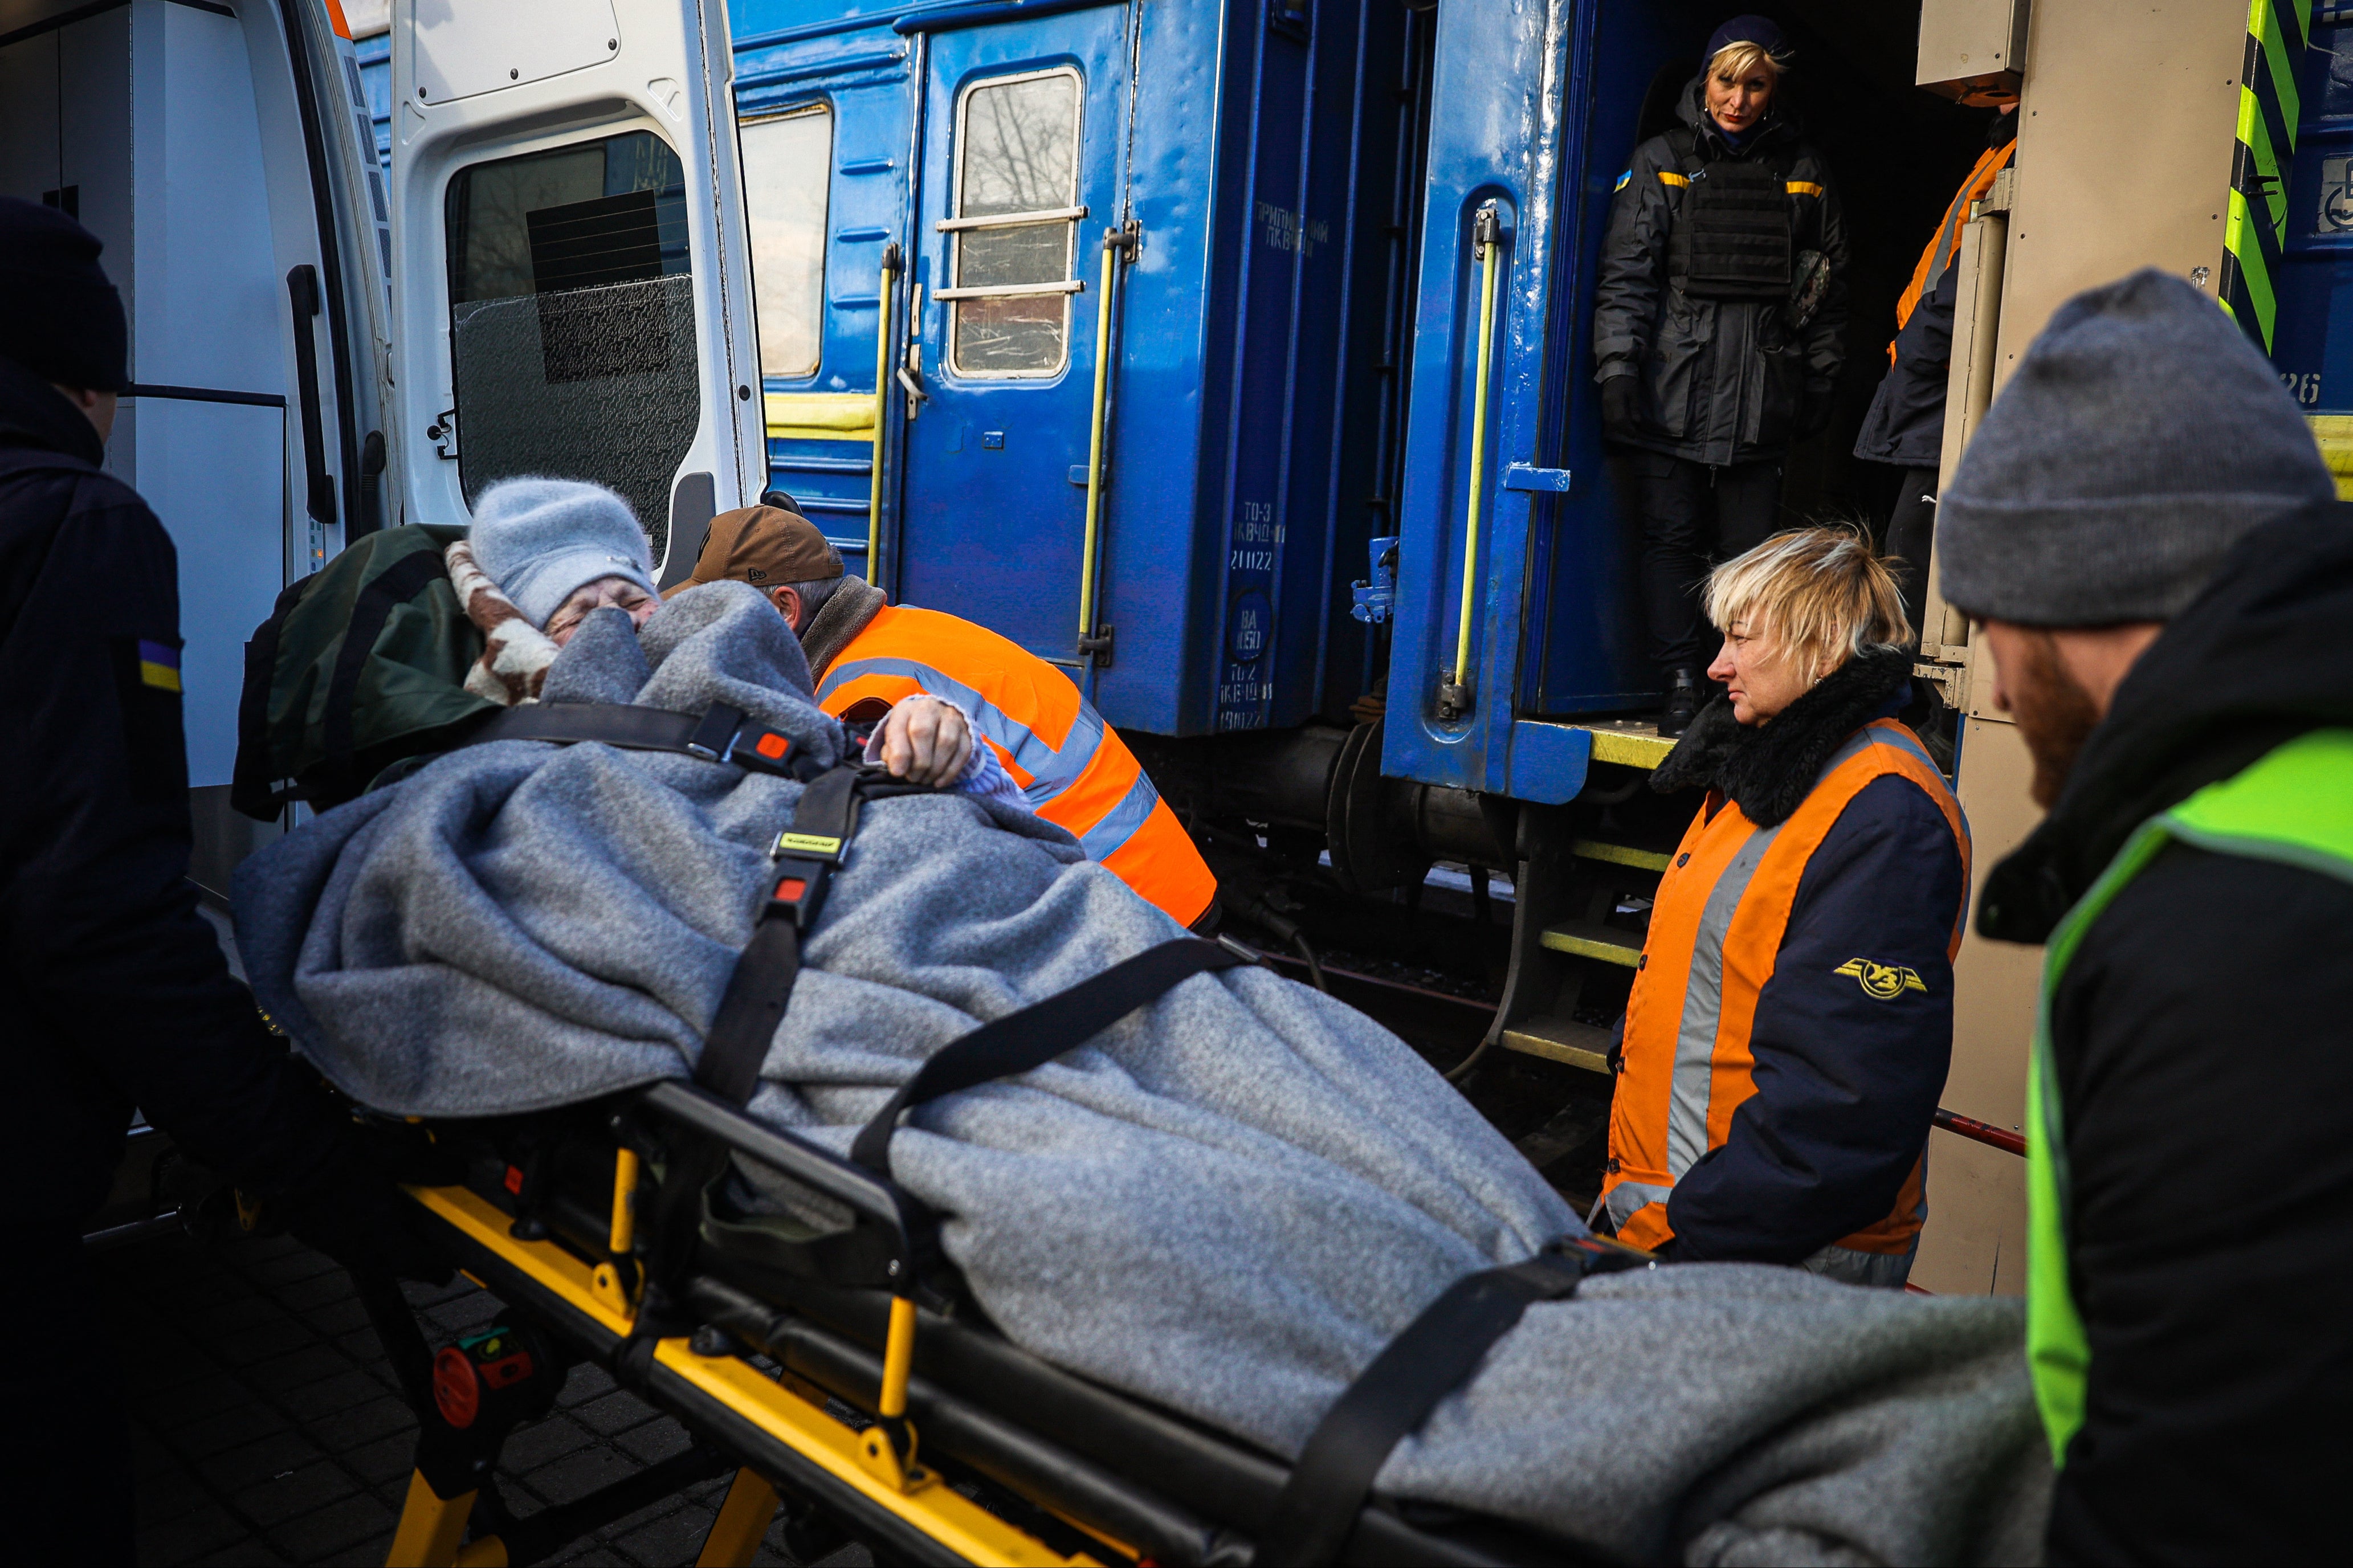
x,y
572,319
1015,225
788,158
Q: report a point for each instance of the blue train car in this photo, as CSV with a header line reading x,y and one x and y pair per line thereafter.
x,y
1185,319
1243,239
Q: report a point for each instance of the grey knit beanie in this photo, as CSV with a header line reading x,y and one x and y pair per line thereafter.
x,y
539,539
2139,438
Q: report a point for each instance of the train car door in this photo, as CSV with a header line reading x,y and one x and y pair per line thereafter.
x,y
570,258
1024,124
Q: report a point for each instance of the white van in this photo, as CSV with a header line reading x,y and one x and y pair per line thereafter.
x,y
554,277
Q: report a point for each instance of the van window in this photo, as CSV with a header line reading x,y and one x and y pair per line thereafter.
x,y
1015,225
572,319
788,158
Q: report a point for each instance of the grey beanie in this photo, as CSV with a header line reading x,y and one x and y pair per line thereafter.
x,y
540,539
2139,437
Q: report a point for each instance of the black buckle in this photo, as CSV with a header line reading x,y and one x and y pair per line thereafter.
x,y
714,737
765,752
797,889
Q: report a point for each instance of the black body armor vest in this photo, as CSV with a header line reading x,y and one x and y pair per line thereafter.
x,y
1733,241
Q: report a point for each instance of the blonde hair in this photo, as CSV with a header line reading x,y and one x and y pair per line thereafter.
x,y
1822,592
1736,61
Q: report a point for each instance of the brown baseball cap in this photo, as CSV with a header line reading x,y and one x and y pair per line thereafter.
x,y
765,546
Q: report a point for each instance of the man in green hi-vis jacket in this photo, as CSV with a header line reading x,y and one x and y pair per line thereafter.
x,y
2151,543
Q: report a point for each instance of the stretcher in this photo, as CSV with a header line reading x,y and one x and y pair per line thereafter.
x,y
841,1374
831,1357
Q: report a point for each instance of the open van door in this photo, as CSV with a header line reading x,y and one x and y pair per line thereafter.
x,y
571,275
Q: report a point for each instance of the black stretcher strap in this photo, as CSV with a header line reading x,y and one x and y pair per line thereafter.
x,y
718,734
765,973
1041,1032
1435,1354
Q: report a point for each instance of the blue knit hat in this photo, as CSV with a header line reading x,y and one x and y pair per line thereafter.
x,y
539,539
1762,31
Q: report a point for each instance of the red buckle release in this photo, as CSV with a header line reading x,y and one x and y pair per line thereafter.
x,y
772,746
790,890
456,1393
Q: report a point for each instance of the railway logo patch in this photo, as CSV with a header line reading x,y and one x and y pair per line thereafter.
x,y
1882,982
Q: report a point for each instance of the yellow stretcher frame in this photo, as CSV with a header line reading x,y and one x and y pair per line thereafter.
x,y
725,1400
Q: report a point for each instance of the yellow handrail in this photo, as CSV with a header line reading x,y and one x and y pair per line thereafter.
x,y
1491,250
882,408
1111,244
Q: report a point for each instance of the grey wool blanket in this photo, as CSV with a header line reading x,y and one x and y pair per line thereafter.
x,y
1226,1204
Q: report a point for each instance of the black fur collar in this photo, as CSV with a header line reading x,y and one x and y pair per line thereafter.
x,y
1768,771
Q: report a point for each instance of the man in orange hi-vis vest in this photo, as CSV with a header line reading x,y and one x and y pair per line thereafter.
x,y
1074,771
1906,426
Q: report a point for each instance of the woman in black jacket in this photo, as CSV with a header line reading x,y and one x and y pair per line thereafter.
x,y
1717,324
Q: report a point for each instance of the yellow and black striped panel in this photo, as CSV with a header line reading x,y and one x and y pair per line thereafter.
x,y
2269,105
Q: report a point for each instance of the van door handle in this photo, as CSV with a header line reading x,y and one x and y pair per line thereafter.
x,y
302,294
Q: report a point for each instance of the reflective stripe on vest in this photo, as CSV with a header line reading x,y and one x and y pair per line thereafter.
x,y
2293,805
1075,772
1717,927
1947,243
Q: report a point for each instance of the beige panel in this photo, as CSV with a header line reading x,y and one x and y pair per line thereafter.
x,y
2123,153
1976,1195
1974,1244
1969,48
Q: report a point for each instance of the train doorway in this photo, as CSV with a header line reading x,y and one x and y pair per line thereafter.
x,y
1897,154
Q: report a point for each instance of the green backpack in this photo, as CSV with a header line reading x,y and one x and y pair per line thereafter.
x,y
360,665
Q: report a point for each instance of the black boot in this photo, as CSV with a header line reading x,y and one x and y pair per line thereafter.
x,y
1682,704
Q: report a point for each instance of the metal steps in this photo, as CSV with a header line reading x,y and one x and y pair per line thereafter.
x,y
1592,939
1561,1039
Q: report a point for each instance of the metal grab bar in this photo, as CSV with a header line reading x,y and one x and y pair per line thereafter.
x,y
1486,231
1007,220
1116,243
1985,1132
891,263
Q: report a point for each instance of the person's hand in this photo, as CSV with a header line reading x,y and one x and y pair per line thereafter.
x,y
1621,407
925,741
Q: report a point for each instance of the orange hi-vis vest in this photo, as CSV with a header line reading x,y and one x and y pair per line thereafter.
x,y
1075,770
1947,243
1716,928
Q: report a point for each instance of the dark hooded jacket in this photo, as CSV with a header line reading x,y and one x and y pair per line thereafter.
x,y
1723,381
2202,1037
1905,425
117,994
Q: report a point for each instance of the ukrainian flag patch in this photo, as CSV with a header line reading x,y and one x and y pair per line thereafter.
x,y
159,665
1622,179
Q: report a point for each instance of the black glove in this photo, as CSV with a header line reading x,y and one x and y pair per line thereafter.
x,y
1621,408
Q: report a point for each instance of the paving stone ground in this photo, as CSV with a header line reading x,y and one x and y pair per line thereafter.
x,y
267,1427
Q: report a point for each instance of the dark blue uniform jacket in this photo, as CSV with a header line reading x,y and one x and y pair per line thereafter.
x,y
1846,1083
116,990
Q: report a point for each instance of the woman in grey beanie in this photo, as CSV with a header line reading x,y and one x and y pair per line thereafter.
x,y
561,548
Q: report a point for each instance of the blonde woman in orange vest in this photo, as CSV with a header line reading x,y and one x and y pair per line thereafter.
x,y
1792,1018
867,655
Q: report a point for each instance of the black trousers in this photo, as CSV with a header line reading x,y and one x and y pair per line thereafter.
x,y
65,1452
1911,533
1692,518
